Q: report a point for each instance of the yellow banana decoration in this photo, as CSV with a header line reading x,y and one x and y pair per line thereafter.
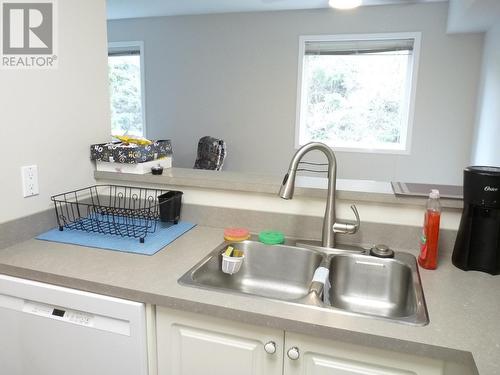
x,y
133,139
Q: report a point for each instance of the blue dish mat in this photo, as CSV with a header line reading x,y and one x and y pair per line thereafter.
x,y
154,242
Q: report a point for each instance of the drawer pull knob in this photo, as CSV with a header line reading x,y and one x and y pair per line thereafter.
x,y
293,353
270,347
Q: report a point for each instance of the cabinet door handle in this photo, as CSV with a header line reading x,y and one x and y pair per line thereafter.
x,y
293,353
270,347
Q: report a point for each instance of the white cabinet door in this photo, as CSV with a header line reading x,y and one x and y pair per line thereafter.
x,y
326,357
191,344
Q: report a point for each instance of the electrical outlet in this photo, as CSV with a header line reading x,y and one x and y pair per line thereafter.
x,y
30,180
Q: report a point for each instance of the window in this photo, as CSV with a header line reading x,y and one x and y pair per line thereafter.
x,y
126,87
356,92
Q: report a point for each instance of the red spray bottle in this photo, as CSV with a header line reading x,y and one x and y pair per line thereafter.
x,y
430,232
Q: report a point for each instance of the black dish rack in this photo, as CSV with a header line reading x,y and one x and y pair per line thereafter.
x,y
118,210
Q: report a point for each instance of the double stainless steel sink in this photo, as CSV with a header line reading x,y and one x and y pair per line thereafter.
x,y
361,284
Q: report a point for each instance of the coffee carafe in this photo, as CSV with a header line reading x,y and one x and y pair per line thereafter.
x,y
477,246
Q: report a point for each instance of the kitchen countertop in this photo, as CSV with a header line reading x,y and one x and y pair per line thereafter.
x,y
314,187
463,306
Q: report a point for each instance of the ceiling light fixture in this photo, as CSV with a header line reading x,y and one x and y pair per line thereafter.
x,y
344,4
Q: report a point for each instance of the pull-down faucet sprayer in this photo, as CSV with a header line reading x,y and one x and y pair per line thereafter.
x,y
330,226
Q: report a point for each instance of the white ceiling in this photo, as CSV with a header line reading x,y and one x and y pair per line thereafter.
x,y
153,8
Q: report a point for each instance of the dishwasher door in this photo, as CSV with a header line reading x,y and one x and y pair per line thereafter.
x,y
51,330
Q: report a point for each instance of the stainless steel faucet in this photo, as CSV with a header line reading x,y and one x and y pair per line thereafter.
x,y
330,226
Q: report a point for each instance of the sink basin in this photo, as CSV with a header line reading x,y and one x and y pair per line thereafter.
x,y
388,288
279,271
361,284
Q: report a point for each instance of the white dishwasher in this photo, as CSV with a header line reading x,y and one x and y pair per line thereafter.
x,y
51,330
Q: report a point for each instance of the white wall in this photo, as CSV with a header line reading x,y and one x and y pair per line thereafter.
x,y
235,76
487,138
50,117
467,16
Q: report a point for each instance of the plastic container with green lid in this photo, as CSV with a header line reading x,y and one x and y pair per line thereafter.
x,y
270,237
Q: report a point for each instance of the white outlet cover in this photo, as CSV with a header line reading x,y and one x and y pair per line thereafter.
x,y
30,180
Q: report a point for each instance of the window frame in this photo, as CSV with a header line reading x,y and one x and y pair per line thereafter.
x,y
411,80
133,46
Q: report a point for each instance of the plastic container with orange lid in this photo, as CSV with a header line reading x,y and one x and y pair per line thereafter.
x,y
236,234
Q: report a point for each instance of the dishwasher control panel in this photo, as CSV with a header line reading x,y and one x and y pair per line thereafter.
x,y
81,318
58,313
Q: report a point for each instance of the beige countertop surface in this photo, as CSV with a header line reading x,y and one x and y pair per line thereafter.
x,y
464,307
307,186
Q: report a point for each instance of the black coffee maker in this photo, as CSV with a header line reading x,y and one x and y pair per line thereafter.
x,y
478,240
